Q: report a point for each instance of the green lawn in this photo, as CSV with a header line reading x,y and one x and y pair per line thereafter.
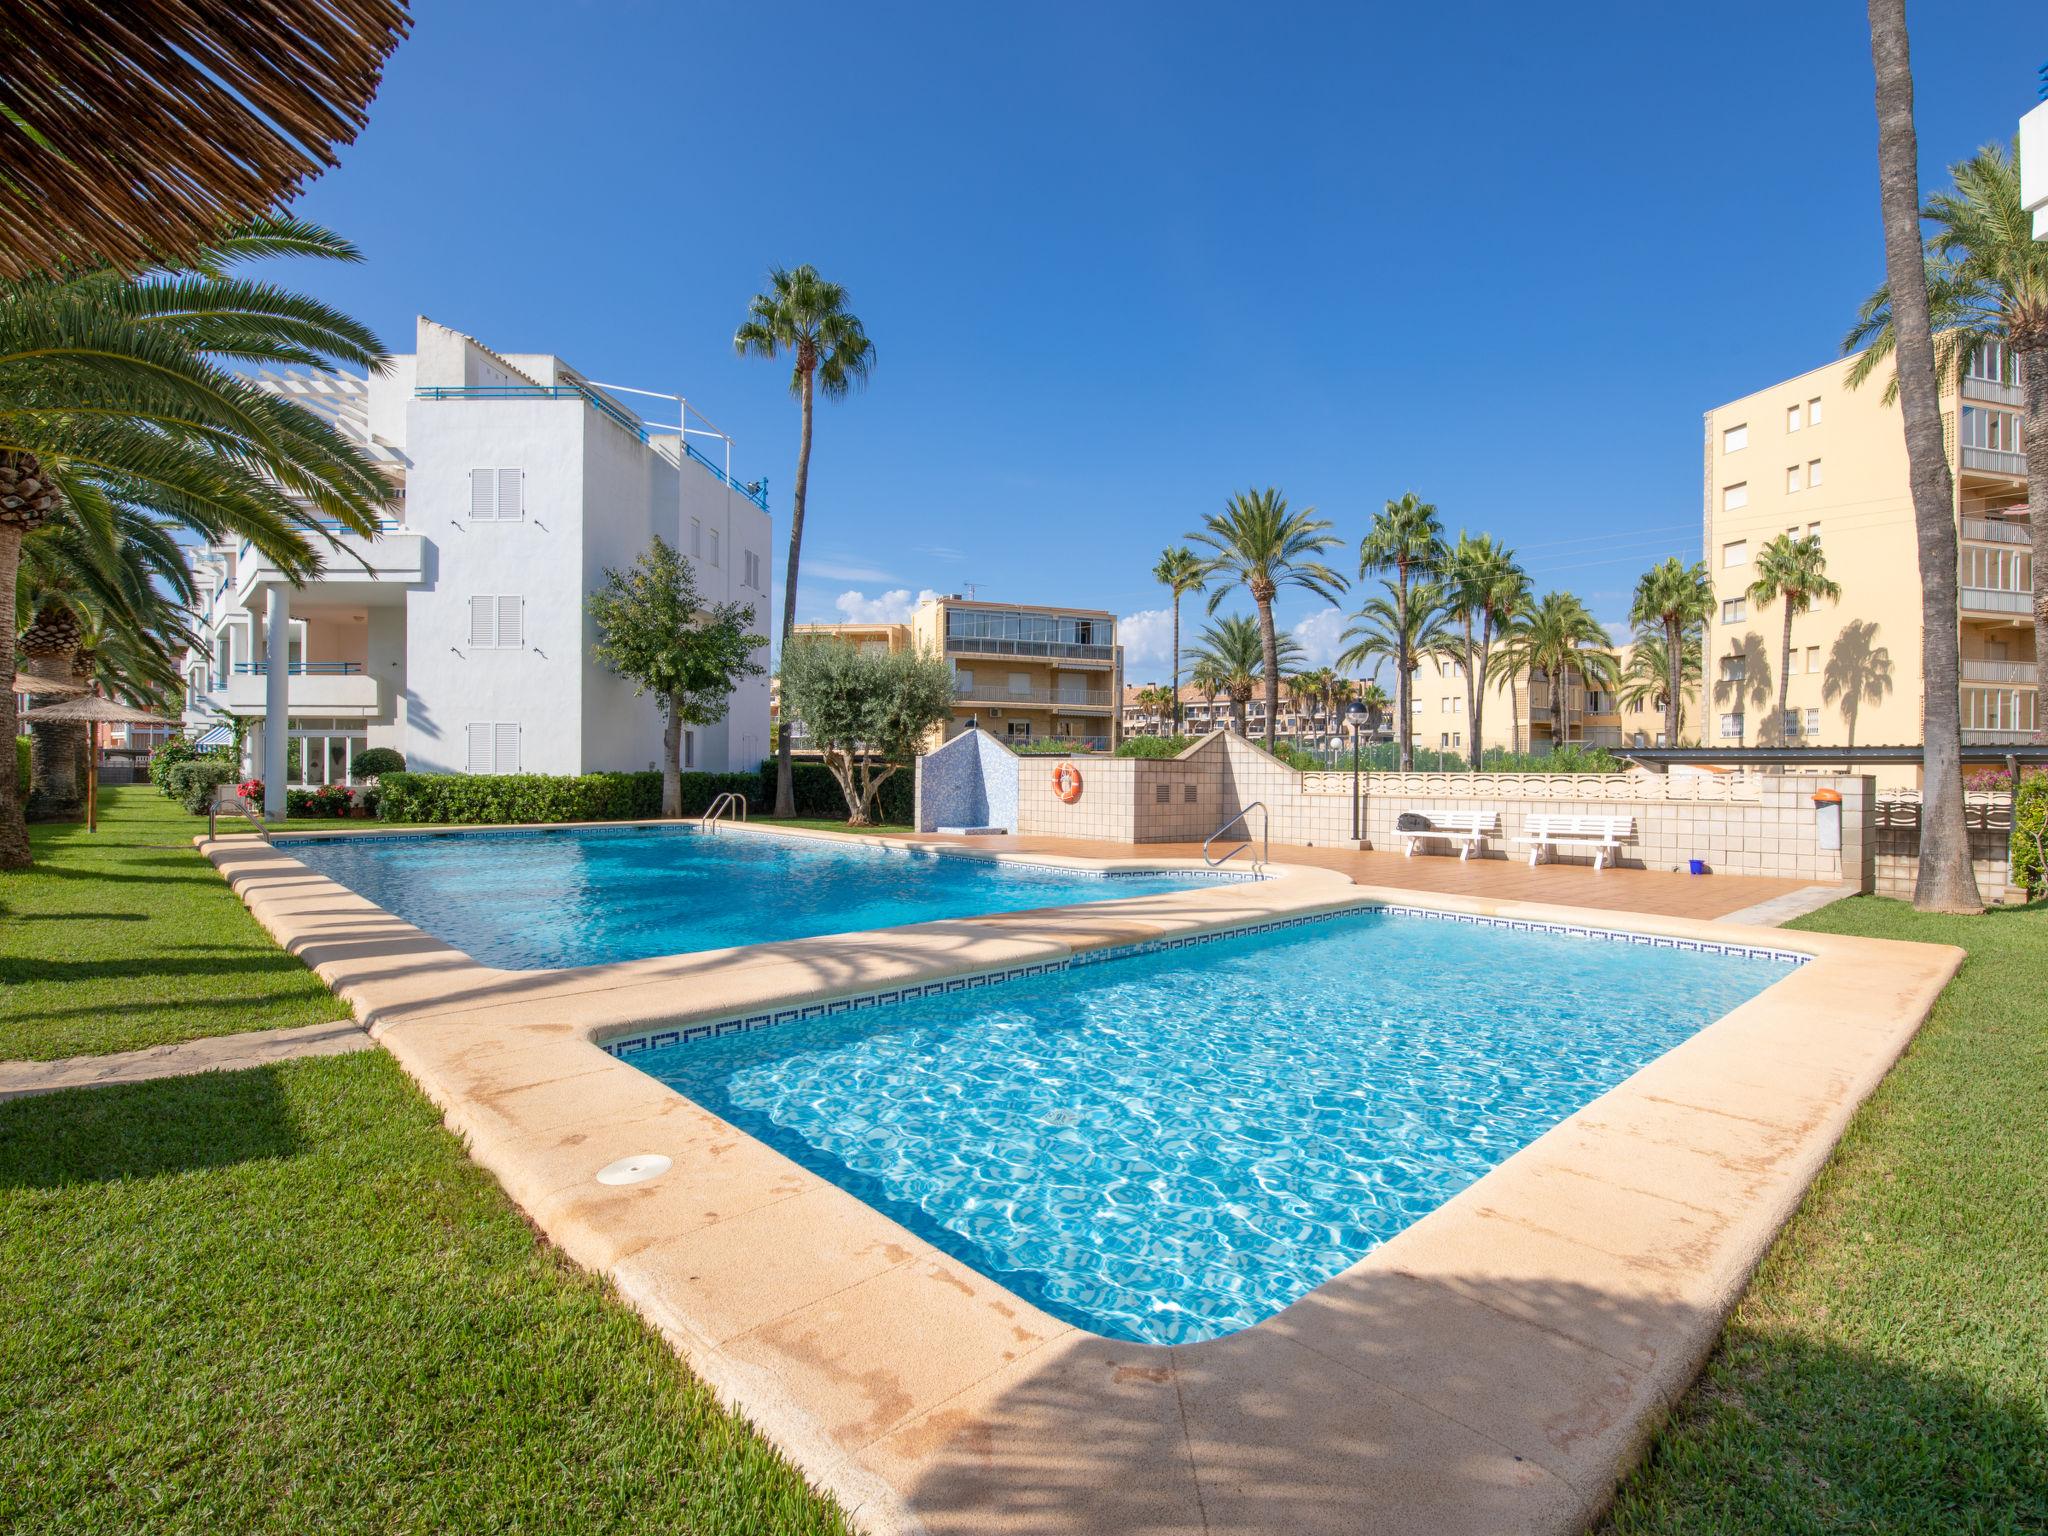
x,y
824,824
1888,1369
127,937
284,1300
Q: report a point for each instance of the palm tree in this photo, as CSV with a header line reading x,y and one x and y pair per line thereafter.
x,y
1231,653
1987,281
1207,680
1859,669
807,317
1655,678
1946,881
113,394
1407,539
1676,599
1795,570
1180,571
1487,589
1562,639
1401,627
1256,543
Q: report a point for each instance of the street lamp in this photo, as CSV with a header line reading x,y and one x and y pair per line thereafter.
x,y
1354,718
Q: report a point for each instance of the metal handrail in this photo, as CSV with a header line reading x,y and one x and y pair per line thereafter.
x,y
242,806
1265,838
728,800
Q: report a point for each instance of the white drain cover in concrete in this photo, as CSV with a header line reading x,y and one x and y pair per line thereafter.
x,y
631,1170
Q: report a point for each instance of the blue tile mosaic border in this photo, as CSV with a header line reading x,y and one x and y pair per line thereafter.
x,y
912,991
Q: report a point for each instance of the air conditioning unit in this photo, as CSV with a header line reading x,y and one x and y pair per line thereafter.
x,y
995,714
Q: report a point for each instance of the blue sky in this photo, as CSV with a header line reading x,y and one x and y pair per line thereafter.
x,y
1120,261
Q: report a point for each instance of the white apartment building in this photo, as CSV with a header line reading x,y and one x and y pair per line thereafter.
x,y
459,635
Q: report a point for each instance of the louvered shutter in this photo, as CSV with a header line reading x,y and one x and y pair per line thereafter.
x,y
483,495
511,623
511,495
483,622
507,756
480,749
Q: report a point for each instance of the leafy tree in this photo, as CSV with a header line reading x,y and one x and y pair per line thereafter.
x,y
806,317
1231,655
1676,599
1255,542
1562,640
1180,571
114,394
863,708
1400,628
1487,590
654,630
1793,571
1405,542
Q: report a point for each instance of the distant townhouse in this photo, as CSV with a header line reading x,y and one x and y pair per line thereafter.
x,y
459,634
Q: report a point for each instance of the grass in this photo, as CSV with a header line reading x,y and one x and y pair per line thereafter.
x,y
127,938
827,824
283,1300
1888,1369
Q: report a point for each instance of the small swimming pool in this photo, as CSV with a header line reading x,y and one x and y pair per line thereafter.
x,y
1171,1145
587,896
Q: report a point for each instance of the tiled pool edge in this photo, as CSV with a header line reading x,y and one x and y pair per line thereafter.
x,y
542,1108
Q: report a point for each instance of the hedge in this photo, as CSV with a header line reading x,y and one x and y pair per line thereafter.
x,y
2030,834
524,797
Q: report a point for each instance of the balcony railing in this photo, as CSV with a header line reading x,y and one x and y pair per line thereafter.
x,y
1068,698
302,668
1997,530
1995,461
2025,673
1996,600
1053,650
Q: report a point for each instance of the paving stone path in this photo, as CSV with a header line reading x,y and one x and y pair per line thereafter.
x,y
219,1053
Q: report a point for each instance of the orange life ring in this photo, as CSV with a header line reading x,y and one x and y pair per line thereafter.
x,y
1066,782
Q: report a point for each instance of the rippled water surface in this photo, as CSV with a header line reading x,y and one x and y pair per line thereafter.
x,y
1170,1147
528,900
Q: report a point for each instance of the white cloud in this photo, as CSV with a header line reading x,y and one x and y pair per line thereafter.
x,y
1320,636
885,608
1148,644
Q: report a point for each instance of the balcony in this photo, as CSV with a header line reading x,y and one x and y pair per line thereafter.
x,y
394,557
1045,650
1996,600
1995,461
314,688
2023,673
1090,699
1997,530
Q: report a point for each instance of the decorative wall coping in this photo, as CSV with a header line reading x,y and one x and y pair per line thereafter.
x,y
1689,788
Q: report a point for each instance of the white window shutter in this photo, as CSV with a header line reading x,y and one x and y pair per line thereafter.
x,y
483,495
511,495
480,749
508,748
483,621
511,622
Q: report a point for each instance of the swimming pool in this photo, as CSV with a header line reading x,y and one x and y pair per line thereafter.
x,y
587,896
1173,1144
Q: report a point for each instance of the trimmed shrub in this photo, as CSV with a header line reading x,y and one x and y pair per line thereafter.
x,y
192,783
329,800
376,762
2029,847
528,797
1153,746
179,750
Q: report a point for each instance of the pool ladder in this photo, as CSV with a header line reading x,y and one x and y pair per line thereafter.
x,y
727,803
1265,838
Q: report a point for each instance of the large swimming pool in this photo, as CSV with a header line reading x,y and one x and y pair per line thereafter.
x,y
586,896
1174,1145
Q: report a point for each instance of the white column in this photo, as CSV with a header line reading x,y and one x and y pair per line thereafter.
x,y
277,648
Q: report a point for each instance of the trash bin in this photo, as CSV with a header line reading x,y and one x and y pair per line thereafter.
x,y
1827,817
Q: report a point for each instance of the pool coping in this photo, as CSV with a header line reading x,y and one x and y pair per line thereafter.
x,y
1494,1367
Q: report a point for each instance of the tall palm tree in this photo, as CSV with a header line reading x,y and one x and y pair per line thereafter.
x,y
1564,641
113,394
1676,599
1987,280
1232,653
803,315
1400,627
1372,698
1656,678
1792,571
1946,881
1255,542
1180,571
1207,680
1487,589
1405,541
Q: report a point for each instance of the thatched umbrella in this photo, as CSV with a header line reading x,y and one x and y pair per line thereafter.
x,y
37,686
95,712
133,134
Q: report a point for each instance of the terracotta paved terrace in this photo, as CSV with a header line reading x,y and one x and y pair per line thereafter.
x,y
1568,885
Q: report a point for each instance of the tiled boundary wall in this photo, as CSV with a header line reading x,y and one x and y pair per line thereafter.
x,y
1898,845
971,781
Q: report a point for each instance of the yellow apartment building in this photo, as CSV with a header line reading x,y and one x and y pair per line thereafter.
x,y
1022,672
1527,719
1813,456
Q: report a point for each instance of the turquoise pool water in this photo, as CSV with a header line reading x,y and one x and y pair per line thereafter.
x,y
530,900
1171,1146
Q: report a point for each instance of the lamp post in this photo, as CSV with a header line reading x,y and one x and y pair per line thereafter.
x,y
1354,717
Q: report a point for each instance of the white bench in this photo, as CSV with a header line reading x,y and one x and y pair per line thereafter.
x,y
1468,829
1603,834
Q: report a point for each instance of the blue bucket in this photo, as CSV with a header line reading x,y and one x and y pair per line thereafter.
x,y
1696,866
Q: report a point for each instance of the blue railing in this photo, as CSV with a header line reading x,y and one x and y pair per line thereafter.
x,y
757,492
302,668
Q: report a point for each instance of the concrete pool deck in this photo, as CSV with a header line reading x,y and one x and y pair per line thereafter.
x,y
1493,1368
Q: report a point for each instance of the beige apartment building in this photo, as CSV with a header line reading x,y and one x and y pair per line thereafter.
x,y
1813,456
1020,671
1528,719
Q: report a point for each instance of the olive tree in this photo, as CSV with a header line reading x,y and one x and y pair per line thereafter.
x,y
656,632
866,711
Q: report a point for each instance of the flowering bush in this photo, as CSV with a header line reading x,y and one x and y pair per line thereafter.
x,y
328,800
250,789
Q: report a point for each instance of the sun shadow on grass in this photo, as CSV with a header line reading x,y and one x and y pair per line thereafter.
x,y
144,1130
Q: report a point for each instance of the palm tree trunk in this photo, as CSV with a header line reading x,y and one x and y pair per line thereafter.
x,y
2034,387
1471,695
1175,715
1269,658
1785,666
1514,713
1674,657
14,850
785,781
1946,881
1405,717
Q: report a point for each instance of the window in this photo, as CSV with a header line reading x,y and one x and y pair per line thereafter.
x,y
1018,730
1812,659
1734,610
1792,662
1735,496
497,623
714,549
1731,725
1457,738
1812,473
1443,740
1813,722
1735,439
750,570
497,495
494,746
1792,479
1020,682
1998,431
1734,668
1813,529
1813,411
1418,706
696,538
1791,722
1791,418
1736,553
